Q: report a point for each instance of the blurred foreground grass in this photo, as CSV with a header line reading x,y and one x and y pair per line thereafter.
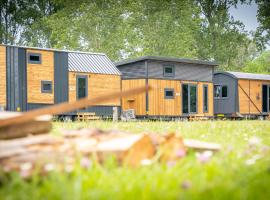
x,y
240,171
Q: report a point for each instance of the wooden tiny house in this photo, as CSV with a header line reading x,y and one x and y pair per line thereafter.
x,y
31,78
240,94
180,87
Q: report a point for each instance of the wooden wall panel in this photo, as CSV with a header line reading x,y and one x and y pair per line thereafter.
x,y
98,85
254,90
137,102
38,72
158,105
3,76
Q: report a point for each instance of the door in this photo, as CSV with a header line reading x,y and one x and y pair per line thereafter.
x,y
82,86
189,98
266,98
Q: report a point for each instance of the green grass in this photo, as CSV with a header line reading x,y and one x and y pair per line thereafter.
x,y
226,176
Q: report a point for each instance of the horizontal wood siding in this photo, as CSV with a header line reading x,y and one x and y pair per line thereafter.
x,y
98,85
254,90
37,73
3,76
137,102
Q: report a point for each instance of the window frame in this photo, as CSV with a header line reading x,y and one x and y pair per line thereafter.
x,y
43,82
168,90
33,61
220,95
207,99
189,85
77,85
165,74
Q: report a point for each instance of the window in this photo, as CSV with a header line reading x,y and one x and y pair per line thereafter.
x,y
221,91
169,93
205,98
168,70
81,87
46,86
34,58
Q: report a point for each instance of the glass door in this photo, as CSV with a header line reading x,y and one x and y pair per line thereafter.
x,y
189,98
81,86
265,98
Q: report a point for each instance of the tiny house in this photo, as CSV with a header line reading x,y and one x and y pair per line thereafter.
x,y
32,78
238,94
180,87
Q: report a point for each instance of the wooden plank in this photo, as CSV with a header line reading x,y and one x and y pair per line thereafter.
x,y
200,145
136,102
38,72
38,126
67,107
3,76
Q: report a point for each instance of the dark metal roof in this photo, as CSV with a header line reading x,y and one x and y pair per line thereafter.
x,y
91,63
169,59
242,75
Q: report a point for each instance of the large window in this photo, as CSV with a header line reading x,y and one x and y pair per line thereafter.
x,y
168,70
205,98
46,86
34,58
168,93
221,91
189,98
81,87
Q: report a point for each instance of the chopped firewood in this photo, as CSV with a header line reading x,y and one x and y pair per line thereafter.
x,y
39,126
201,146
169,146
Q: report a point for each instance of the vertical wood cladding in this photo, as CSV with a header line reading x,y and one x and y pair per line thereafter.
x,y
38,72
253,88
158,104
98,85
138,101
3,72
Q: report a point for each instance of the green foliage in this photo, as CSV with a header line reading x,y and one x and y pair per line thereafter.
x,y
226,176
260,64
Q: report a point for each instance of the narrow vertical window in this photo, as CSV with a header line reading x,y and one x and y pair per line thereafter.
x,y
81,87
205,98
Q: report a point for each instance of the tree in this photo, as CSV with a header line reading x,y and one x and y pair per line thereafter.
x,y
262,34
260,64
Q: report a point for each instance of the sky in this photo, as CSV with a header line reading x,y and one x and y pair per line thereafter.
x,y
246,14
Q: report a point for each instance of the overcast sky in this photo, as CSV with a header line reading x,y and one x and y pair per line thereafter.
x,y
246,14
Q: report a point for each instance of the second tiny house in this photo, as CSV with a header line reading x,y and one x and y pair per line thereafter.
x,y
180,87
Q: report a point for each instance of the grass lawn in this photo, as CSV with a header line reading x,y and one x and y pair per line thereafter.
x,y
240,171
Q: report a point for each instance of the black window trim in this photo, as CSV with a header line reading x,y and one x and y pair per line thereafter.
x,y
197,96
43,82
168,90
207,101
220,96
33,61
168,74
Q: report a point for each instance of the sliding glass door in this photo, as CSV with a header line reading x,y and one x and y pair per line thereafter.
x,y
189,98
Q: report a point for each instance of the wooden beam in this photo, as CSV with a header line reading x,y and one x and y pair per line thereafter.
x,y
67,107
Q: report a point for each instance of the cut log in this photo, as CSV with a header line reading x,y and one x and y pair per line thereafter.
x,y
201,146
39,126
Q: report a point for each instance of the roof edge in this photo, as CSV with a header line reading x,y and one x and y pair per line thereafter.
x,y
52,49
169,59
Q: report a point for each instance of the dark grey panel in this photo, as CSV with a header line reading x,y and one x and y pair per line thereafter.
x,y
133,70
32,106
183,71
106,111
60,77
22,79
16,79
227,105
